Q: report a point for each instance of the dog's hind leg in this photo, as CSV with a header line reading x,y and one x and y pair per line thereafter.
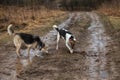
x,y
18,50
67,45
58,39
29,51
17,44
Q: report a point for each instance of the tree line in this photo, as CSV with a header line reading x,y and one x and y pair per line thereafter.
x,y
63,4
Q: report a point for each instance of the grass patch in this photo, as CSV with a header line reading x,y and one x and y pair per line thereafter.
x,y
83,23
110,21
46,27
115,21
107,23
112,25
37,28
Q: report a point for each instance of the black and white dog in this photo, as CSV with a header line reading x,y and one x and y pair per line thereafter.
x,y
67,36
30,41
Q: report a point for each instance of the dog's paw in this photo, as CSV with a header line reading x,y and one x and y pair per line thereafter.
x,y
71,51
56,48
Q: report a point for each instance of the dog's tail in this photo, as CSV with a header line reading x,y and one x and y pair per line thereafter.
x,y
56,27
10,30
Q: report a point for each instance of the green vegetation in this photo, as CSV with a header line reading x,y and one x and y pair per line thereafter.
x,y
112,23
115,21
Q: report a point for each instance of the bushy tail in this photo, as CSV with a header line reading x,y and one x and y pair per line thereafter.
x,y
10,30
55,27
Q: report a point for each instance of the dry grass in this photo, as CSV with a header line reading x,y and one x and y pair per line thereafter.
x,y
110,10
115,21
37,21
111,20
23,15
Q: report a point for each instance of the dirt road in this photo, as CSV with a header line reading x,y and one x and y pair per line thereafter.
x,y
89,61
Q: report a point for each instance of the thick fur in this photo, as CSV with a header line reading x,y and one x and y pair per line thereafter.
x,y
67,36
20,39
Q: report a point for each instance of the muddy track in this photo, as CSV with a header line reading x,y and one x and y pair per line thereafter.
x,y
96,50
87,63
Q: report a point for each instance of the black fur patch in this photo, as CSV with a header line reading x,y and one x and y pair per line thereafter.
x,y
63,33
28,38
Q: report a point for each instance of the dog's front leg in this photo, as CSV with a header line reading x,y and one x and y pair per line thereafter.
x,y
58,38
70,49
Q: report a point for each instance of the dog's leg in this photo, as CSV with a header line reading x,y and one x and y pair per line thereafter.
x,y
67,43
29,51
18,50
70,49
18,43
58,39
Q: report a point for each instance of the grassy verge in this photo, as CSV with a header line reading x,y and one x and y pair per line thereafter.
x,y
110,20
115,21
40,26
112,25
107,24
